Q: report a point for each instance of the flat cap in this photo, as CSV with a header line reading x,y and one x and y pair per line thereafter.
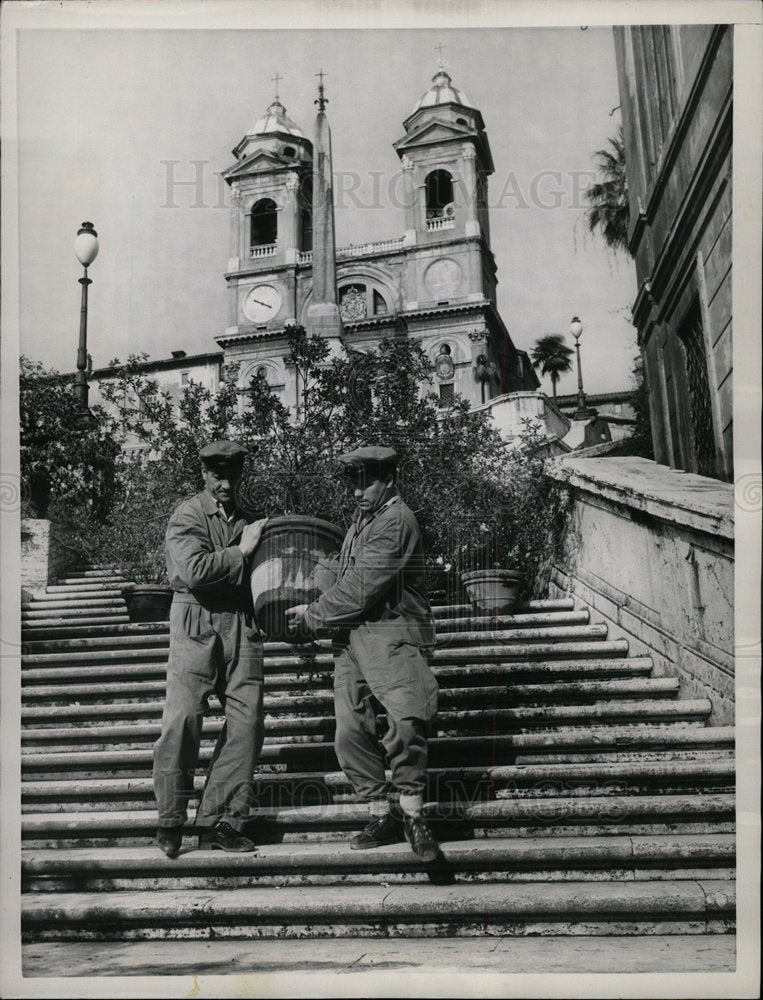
x,y
224,452
369,457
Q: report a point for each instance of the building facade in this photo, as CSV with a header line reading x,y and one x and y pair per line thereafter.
x,y
435,282
676,95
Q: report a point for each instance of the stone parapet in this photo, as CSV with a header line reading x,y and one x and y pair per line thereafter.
x,y
651,549
509,410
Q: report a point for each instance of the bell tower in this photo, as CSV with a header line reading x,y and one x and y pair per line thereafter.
x,y
271,222
446,161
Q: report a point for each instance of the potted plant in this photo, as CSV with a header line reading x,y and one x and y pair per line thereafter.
x,y
132,542
130,538
506,547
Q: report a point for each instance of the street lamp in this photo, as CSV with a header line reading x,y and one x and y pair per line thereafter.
x,y
86,250
582,412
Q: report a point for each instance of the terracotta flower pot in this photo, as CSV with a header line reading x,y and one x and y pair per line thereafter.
x,y
295,562
493,591
147,602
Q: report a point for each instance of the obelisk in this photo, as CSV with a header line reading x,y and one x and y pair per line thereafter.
x,y
323,319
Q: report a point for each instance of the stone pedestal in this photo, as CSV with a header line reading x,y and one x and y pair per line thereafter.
x,y
44,557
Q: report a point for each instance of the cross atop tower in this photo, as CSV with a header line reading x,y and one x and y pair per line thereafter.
x,y
439,48
321,101
275,79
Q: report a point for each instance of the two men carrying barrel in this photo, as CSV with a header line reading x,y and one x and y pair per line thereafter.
x,y
378,601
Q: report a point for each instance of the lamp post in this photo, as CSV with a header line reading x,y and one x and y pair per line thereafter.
x,y
86,250
582,412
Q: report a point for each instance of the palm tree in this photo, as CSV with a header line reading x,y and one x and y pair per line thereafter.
x,y
552,356
609,198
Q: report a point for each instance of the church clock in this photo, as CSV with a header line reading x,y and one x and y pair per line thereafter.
x,y
262,303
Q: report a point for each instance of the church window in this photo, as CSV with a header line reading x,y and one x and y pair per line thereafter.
x,y
262,373
447,394
439,194
264,218
380,306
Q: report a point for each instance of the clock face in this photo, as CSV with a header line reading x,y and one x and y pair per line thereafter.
x,y
443,278
262,303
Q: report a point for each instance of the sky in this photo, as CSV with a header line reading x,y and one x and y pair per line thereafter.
x,y
112,122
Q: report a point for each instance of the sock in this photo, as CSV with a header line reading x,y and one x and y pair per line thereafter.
x,y
378,808
411,804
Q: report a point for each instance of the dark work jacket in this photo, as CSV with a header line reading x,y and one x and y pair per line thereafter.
x,y
204,563
381,578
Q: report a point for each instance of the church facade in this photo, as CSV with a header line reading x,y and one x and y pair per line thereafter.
x,y
435,282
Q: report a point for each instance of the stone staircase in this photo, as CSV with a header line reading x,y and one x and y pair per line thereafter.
x,y
573,792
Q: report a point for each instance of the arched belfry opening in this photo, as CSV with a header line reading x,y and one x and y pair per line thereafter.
x,y
439,194
264,223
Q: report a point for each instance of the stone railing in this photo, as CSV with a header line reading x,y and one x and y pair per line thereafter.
x,y
361,250
267,250
651,551
434,224
383,246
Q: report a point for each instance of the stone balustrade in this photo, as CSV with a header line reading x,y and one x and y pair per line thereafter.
x,y
267,250
433,225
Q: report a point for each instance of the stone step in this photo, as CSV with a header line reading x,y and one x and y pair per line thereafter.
x,y
130,638
553,633
60,640
528,811
46,628
322,700
44,604
421,909
101,613
91,578
467,654
499,747
149,677
444,784
59,628
521,619
544,604
85,588
488,720
570,858
83,635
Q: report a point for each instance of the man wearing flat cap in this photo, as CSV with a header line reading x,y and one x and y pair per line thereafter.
x,y
380,594
214,647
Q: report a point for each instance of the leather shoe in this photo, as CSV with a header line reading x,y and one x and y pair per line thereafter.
x,y
381,830
419,836
169,838
223,835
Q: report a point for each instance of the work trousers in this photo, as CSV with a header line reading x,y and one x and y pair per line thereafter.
x,y
220,652
378,664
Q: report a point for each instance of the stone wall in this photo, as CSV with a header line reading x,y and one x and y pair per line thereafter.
x,y
651,551
44,556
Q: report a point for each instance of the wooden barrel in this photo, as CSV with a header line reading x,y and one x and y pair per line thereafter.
x,y
295,562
